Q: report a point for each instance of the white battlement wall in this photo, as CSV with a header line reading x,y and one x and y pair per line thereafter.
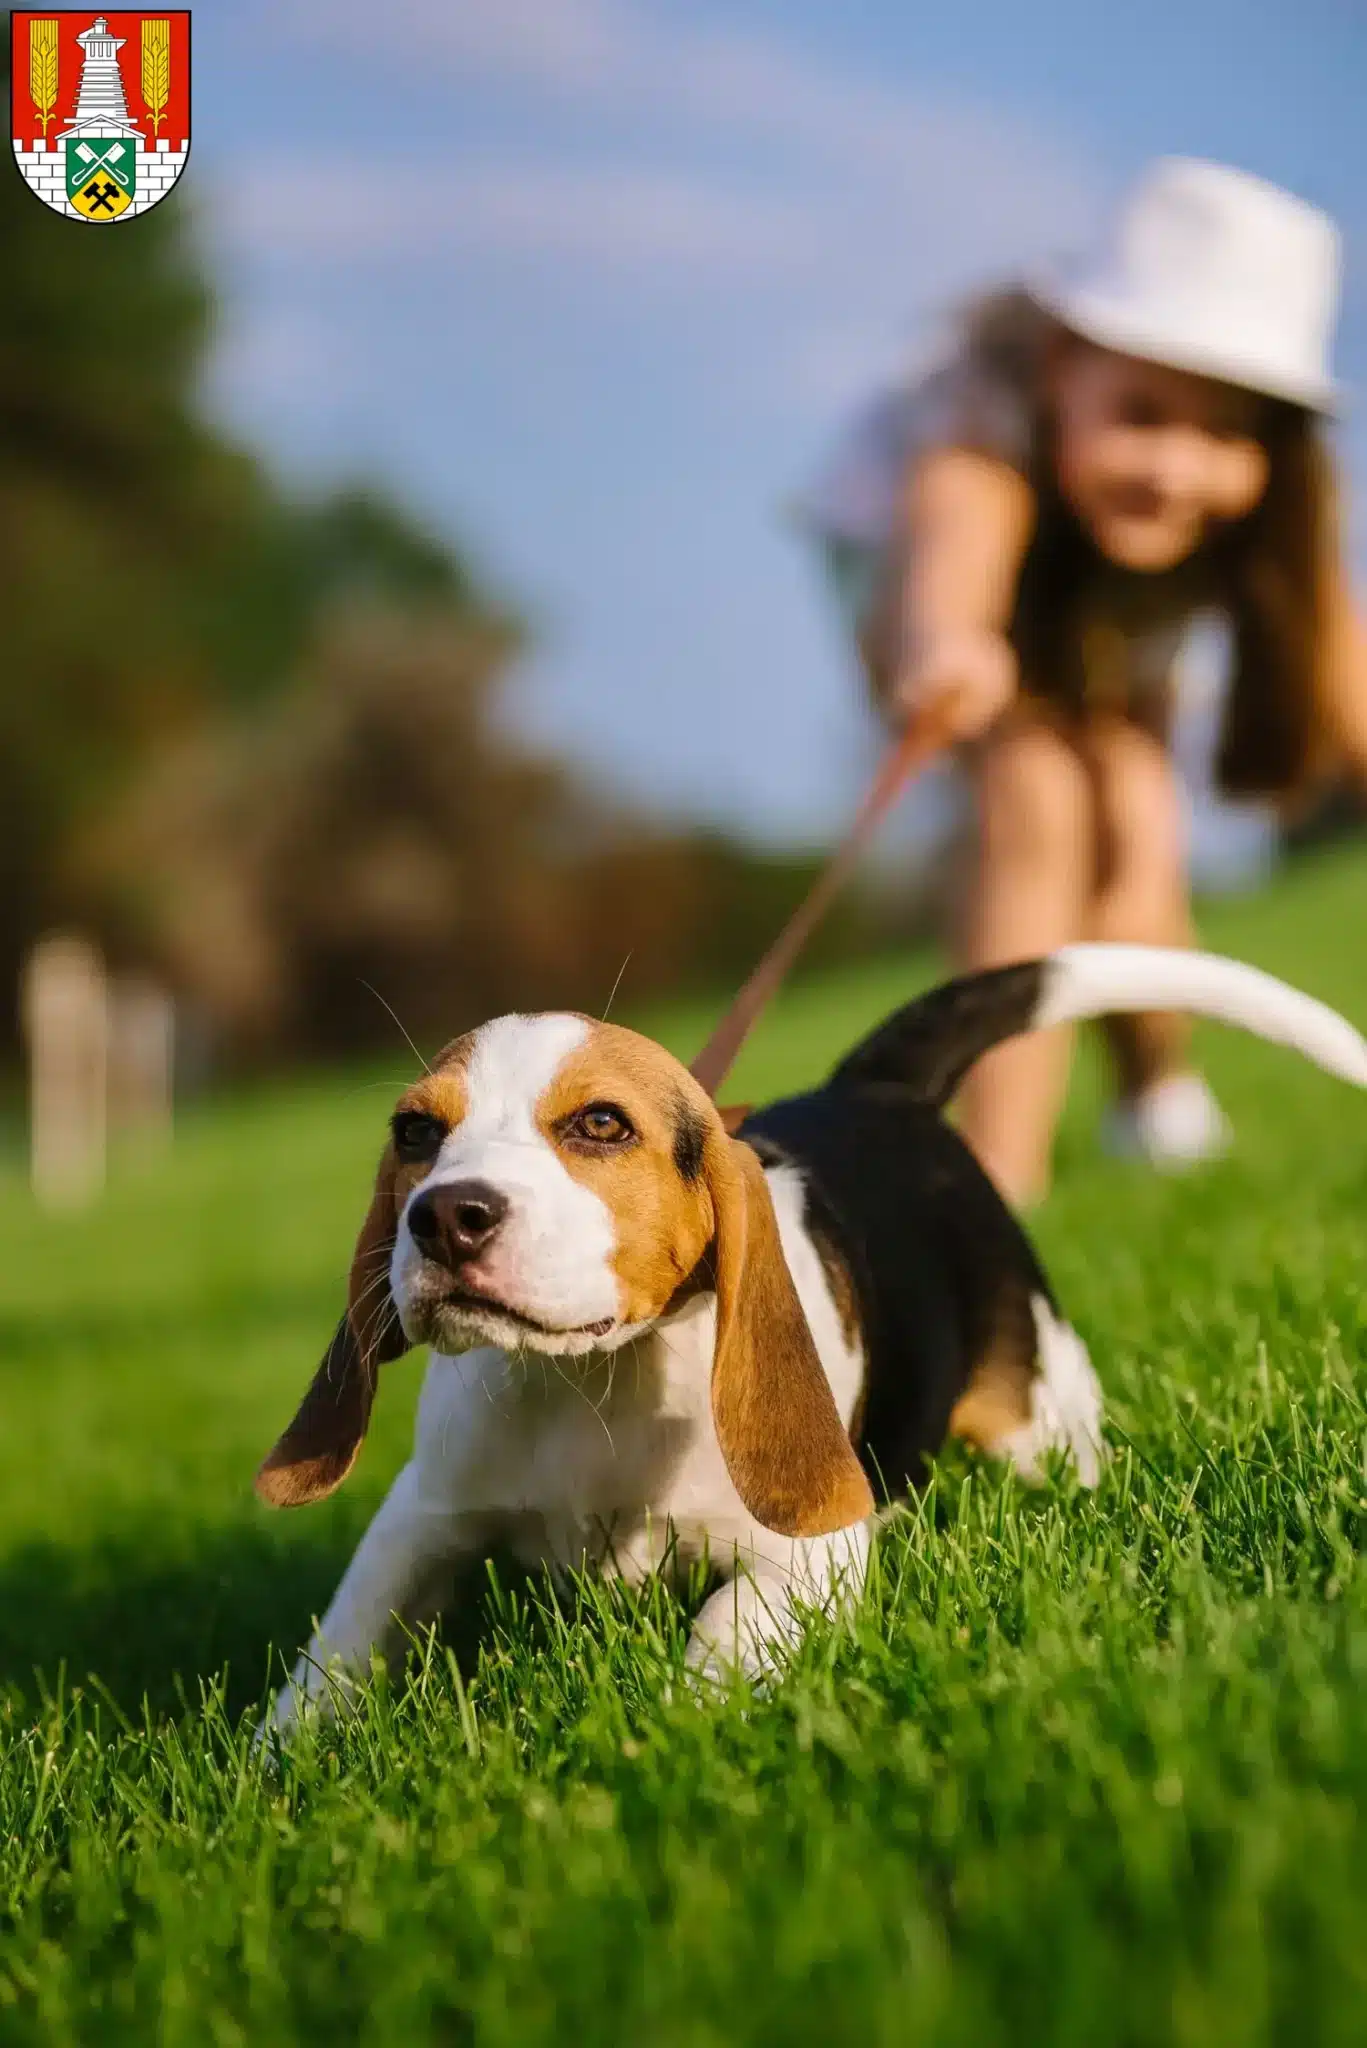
x,y
155,174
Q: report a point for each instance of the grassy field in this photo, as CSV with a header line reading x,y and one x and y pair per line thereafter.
x,y
1085,1771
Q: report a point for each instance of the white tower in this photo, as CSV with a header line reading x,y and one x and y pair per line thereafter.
x,y
100,102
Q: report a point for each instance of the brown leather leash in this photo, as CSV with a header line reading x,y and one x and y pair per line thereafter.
x,y
909,755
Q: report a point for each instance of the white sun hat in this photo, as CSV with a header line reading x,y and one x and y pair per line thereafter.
x,y
1209,269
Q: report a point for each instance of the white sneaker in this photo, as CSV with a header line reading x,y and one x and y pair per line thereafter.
x,y
1174,1124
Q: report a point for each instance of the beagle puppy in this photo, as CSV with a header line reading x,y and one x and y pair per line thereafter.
x,y
654,1341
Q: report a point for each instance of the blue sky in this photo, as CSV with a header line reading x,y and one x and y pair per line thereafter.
x,y
592,283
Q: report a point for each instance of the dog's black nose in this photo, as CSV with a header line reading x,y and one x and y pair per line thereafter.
x,y
450,1223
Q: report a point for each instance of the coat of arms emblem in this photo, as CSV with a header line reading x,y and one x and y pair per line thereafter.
x,y
100,108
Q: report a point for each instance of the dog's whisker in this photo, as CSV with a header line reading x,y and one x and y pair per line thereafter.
x,y
615,986
371,1287
661,1336
398,1020
368,1087
573,1383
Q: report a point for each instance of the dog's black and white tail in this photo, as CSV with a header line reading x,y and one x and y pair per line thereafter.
x,y
930,1044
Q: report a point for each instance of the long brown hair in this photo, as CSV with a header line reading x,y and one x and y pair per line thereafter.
x,y
1271,573
1277,568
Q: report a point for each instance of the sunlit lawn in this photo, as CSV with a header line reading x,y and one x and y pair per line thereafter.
x,y
1084,1771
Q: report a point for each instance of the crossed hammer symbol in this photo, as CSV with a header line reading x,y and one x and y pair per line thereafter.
x,y
100,195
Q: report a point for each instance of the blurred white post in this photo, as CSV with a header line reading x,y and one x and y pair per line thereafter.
x,y
66,1021
142,1033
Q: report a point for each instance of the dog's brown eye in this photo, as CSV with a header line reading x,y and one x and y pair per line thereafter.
x,y
417,1135
601,1124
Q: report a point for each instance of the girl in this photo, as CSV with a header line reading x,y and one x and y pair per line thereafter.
x,y
1022,541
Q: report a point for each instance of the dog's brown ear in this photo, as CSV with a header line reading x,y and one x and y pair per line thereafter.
x,y
733,1115
320,1446
789,1456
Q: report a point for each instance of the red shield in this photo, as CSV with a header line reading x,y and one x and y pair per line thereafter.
x,y
100,108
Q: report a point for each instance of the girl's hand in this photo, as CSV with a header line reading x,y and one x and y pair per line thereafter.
x,y
964,680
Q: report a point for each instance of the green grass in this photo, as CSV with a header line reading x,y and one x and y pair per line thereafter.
x,y
1083,1770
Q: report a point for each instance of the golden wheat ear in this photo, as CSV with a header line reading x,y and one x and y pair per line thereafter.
x,y
42,69
156,69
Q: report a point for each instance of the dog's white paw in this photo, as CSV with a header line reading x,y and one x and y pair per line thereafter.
x,y
1065,1404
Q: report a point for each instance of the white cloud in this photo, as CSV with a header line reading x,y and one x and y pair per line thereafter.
x,y
611,216
831,209
606,49
938,158
565,46
849,174
629,216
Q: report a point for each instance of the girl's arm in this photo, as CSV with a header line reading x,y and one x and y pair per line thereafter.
x,y
1343,683
939,635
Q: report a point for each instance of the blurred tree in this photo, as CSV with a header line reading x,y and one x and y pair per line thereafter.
x,y
371,839
150,574
371,853
107,487
288,564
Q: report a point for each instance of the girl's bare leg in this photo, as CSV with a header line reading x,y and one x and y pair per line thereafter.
x,y
1030,892
1142,895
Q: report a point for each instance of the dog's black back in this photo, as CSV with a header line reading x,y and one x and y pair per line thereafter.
x,y
940,1268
